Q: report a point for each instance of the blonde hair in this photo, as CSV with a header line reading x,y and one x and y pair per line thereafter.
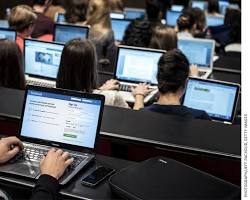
x,y
21,17
99,14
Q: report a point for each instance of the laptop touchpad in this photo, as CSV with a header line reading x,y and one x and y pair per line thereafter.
x,y
25,169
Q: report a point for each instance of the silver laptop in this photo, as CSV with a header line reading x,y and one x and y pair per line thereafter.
x,y
214,20
199,52
217,98
41,61
8,34
56,118
134,13
119,26
136,65
65,32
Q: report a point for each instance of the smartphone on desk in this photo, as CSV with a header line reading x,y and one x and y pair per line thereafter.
x,y
96,176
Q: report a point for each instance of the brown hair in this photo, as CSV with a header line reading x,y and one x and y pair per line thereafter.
x,y
11,65
164,38
21,17
116,5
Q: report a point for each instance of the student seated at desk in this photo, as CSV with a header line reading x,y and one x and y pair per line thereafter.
x,y
52,167
11,66
172,77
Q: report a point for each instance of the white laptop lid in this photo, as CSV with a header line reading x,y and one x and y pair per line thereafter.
x,y
198,51
65,32
218,99
8,34
137,65
61,117
214,20
117,15
172,17
134,13
119,26
42,59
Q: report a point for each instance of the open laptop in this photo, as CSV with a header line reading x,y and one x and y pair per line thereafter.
x,y
199,52
41,62
136,65
8,34
117,15
65,32
134,13
177,8
172,17
200,4
60,18
214,20
119,26
56,118
217,98
4,24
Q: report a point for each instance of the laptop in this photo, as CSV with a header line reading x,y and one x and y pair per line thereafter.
x,y
119,26
4,24
8,34
60,17
217,98
223,5
41,62
117,15
136,65
134,13
177,8
214,20
65,32
56,118
199,52
200,4
172,17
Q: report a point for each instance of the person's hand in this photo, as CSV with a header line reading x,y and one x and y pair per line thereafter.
x,y
55,163
9,147
194,71
110,85
141,90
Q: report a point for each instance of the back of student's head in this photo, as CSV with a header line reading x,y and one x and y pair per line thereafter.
x,y
40,2
11,66
76,11
213,6
154,8
173,71
21,18
185,21
77,69
116,5
163,38
200,19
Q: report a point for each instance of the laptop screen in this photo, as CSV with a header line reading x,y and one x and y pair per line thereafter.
x,y
7,34
60,18
4,24
134,13
119,27
137,65
61,118
177,8
117,15
198,51
42,58
64,33
200,4
216,98
223,6
172,17
214,20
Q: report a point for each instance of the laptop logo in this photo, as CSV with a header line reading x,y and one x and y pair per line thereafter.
x,y
163,161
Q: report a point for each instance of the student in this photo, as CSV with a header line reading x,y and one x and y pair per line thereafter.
x,y
77,71
213,8
11,66
54,7
116,5
172,77
22,19
186,25
43,24
52,167
200,21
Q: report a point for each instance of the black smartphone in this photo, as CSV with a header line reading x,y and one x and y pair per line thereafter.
x,y
98,175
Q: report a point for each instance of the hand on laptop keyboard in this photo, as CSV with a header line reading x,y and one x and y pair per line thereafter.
x,y
194,71
142,89
55,163
110,85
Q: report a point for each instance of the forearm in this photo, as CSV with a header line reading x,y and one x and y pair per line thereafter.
x,y
139,102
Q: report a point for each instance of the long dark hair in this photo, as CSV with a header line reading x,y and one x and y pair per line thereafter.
x,y
76,11
77,69
11,65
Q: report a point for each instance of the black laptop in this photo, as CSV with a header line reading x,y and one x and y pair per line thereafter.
x,y
56,118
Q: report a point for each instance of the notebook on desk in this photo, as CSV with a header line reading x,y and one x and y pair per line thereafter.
x,y
56,118
41,61
8,34
119,26
65,32
199,52
217,98
136,65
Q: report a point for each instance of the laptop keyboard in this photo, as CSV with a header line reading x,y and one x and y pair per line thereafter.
x,y
201,73
126,88
41,84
